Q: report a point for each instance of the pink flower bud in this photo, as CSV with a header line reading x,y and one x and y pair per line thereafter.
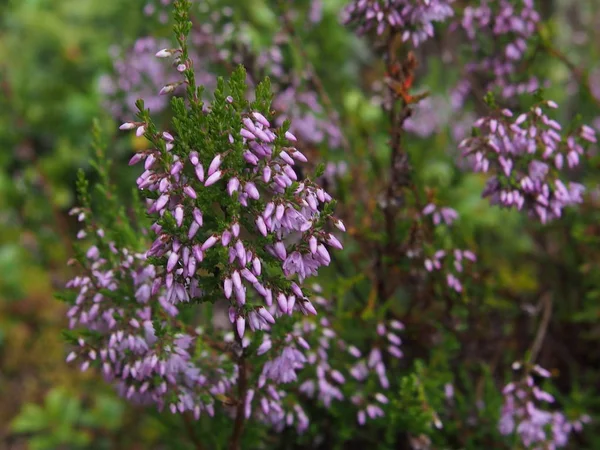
x,y
197,214
164,53
280,250
266,315
179,215
214,165
260,224
251,190
235,229
228,287
190,192
209,243
282,302
172,261
127,126
241,326
232,185
213,178
262,119
136,159
256,266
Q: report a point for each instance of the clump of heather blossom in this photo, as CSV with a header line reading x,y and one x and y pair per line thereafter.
x,y
268,222
444,214
451,263
310,362
124,321
328,378
233,223
414,19
506,27
526,157
525,413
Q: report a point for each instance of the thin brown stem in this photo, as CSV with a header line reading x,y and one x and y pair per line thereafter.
x,y
542,328
240,413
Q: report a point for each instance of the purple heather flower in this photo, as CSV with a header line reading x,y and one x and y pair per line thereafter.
x,y
509,27
412,18
525,157
523,413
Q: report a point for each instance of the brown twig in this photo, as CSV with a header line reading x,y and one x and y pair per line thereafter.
x,y
240,413
399,79
542,328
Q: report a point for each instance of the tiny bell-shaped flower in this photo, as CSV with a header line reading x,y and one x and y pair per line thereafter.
x,y
241,326
214,165
212,179
127,126
164,53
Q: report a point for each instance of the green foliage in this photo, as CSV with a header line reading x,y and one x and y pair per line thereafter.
x,y
63,420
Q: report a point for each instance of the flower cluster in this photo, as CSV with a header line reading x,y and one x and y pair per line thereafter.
x,y
450,262
126,338
453,264
312,360
123,318
273,219
523,413
328,376
510,28
413,18
439,215
526,156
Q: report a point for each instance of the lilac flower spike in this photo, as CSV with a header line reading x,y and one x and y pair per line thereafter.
x,y
260,175
267,215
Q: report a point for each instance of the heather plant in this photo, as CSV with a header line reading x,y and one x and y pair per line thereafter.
x,y
313,260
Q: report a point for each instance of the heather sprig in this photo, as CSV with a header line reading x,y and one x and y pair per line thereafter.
x,y
413,19
527,157
525,412
234,207
233,224
499,33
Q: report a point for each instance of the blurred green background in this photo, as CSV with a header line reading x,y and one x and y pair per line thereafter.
x,y
52,57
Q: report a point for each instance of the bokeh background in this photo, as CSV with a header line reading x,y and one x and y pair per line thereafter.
x,y
65,63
